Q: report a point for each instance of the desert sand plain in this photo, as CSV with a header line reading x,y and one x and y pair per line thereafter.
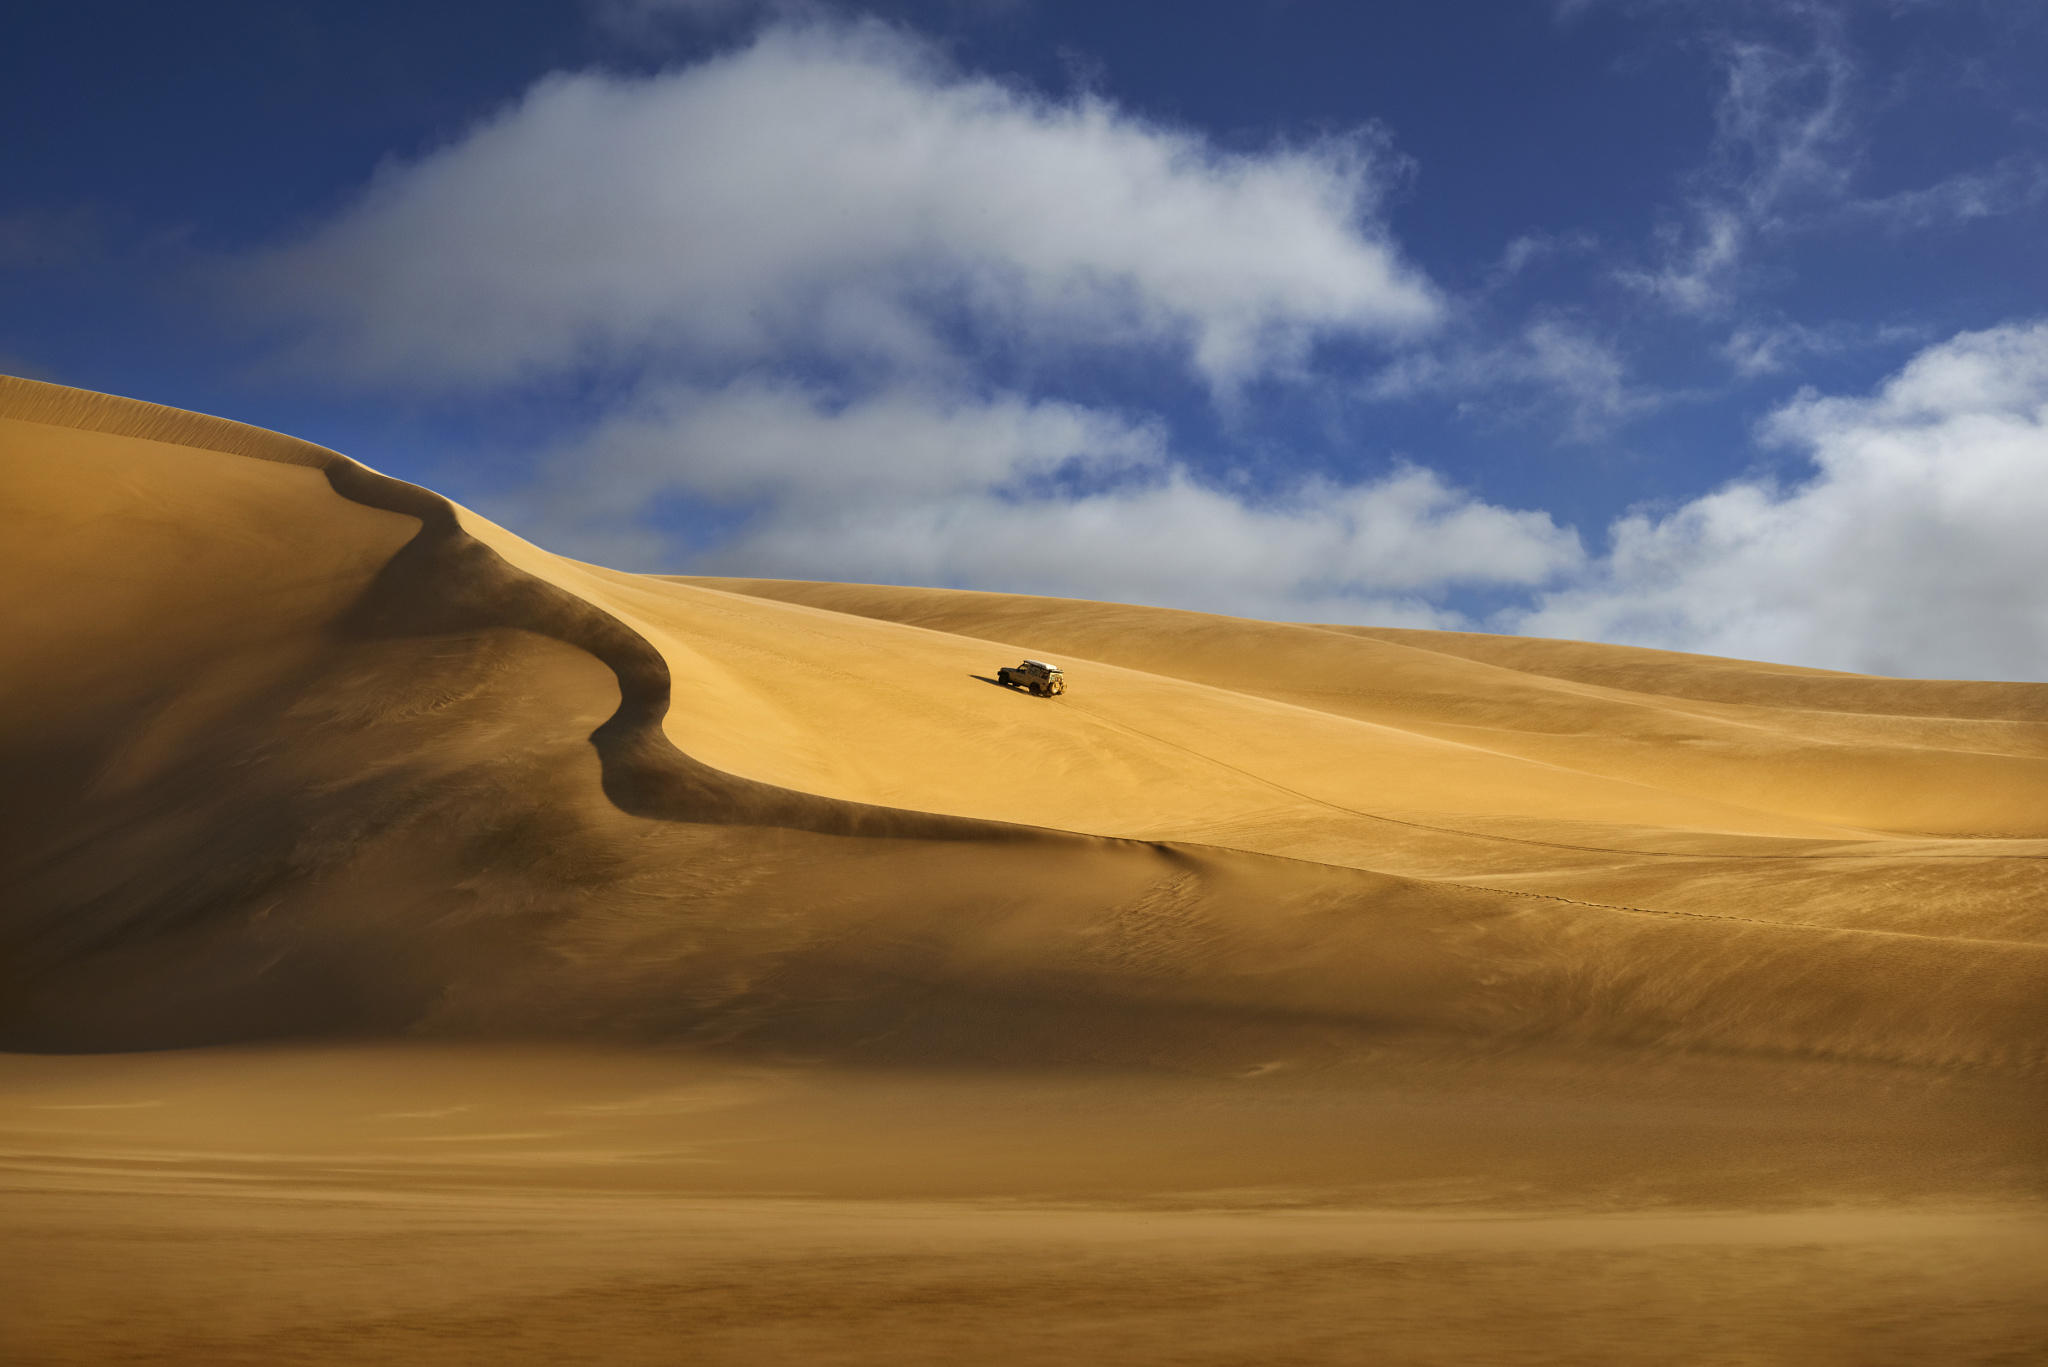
x,y
418,947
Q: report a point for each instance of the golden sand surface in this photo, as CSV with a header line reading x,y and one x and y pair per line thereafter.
x,y
418,947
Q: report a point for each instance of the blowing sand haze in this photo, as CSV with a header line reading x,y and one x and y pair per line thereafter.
x,y
420,947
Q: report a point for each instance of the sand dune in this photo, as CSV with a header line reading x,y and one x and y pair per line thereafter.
x,y
293,750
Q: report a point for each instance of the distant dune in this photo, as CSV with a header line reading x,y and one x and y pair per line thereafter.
x,y
291,750
302,748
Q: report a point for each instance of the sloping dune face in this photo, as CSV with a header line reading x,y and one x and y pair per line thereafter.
x,y
602,967
291,747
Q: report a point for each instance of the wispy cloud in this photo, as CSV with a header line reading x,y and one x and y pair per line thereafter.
x,y
1554,369
1527,250
1783,143
1791,144
2014,183
649,22
1778,345
43,238
645,18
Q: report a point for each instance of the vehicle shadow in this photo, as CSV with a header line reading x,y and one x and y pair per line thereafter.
x,y
987,680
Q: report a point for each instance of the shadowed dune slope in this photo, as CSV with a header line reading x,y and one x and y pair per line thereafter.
x,y
292,747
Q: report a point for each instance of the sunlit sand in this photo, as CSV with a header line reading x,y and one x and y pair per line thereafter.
x,y
417,947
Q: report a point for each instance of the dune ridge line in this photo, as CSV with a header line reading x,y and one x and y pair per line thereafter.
x,y
348,792
468,585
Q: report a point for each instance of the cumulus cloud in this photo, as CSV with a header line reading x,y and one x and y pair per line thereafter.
x,y
1037,496
1915,545
842,286
837,191
1910,542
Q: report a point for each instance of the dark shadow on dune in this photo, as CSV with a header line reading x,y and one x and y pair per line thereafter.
x,y
1008,688
273,884
445,581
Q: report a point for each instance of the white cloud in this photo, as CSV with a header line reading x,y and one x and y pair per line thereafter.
x,y
837,191
801,256
780,455
1034,496
1915,547
1912,545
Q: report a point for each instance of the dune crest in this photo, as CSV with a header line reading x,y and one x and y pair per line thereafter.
x,y
446,582
415,946
384,767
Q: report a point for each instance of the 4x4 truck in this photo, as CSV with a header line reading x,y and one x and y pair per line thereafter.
x,y
1037,676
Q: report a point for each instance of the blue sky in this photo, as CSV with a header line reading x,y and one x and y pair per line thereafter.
x,y
1715,327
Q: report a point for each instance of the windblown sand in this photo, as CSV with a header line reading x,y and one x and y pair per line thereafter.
x,y
417,947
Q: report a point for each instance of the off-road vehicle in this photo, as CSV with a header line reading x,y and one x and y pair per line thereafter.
x,y
1040,678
